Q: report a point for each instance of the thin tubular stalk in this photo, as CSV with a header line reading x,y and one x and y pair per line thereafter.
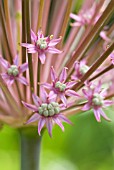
x,y
30,148
38,77
4,32
88,40
27,18
23,32
98,62
46,15
24,39
65,22
9,97
39,25
8,24
40,14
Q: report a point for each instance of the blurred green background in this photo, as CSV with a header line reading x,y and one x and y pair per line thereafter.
x,y
85,145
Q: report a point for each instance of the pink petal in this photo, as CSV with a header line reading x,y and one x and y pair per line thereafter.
x,y
64,119
75,17
32,50
23,67
108,102
41,124
104,115
22,80
104,36
30,106
53,74
5,76
16,60
53,50
33,118
53,42
49,126
36,100
43,94
4,63
52,96
63,75
63,98
72,93
70,84
47,86
77,24
10,82
87,106
27,45
42,57
97,114
57,121
85,92
33,36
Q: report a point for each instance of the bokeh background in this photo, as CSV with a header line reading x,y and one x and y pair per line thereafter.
x,y
85,145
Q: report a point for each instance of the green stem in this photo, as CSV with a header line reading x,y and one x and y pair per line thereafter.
x,y
30,148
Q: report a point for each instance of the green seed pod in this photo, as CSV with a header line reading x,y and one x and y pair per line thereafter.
x,y
57,85
51,112
84,69
15,72
45,113
54,104
13,67
64,86
49,107
40,110
57,110
9,71
43,45
97,101
44,105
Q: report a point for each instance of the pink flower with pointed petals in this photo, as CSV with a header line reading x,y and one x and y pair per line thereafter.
x,y
59,87
42,45
95,100
46,111
80,69
13,72
84,17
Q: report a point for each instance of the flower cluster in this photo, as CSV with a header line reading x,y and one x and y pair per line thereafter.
x,y
52,95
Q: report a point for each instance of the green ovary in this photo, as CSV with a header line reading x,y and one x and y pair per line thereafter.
x,y
60,86
13,70
84,69
97,100
49,109
42,43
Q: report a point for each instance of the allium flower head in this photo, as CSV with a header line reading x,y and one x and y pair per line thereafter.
x,y
80,69
42,45
13,72
96,100
46,111
60,87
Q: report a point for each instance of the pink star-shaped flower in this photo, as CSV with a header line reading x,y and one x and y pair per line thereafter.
x,y
46,111
13,72
42,45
